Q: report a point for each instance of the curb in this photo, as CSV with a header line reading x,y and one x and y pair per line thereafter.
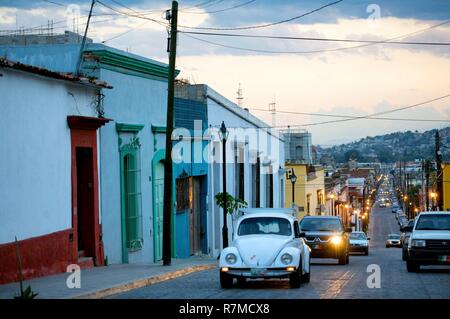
x,y
102,293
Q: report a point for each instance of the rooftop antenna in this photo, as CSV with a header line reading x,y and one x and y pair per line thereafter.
x,y
273,111
239,97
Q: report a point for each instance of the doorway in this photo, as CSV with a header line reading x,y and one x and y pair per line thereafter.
x,y
195,218
159,209
85,202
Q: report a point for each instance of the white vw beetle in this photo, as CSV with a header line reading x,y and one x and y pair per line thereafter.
x,y
267,244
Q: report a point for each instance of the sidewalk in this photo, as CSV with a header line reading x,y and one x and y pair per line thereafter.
x,y
100,282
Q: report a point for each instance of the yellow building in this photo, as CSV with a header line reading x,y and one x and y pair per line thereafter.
x,y
446,185
309,190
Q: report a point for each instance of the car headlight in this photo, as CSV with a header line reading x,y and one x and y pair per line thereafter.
x,y
286,258
336,240
231,258
418,243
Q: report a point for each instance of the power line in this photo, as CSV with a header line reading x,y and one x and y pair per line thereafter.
x,y
263,25
352,116
126,32
320,50
131,15
222,10
200,5
368,117
312,38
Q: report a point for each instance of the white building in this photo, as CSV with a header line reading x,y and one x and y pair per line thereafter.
x,y
49,190
255,159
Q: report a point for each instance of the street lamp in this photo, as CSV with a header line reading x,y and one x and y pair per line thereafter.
x,y
223,134
293,180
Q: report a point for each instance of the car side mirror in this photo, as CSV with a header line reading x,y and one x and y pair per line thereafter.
x,y
348,229
368,238
302,235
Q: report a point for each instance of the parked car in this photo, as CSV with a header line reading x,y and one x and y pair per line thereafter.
x,y
429,243
327,237
393,240
399,213
359,242
405,238
267,244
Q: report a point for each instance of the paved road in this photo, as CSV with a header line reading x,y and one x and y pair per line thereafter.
x,y
328,280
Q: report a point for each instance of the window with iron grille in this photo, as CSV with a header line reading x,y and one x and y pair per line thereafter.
x,y
182,186
131,194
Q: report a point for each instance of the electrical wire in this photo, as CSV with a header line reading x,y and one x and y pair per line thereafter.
x,y
368,117
312,38
132,15
352,117
321,50
263,25
222,10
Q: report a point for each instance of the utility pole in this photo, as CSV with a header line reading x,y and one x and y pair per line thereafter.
x,y
427,183
83,42
167,215
438,154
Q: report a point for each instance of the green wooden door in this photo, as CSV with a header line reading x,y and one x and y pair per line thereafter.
x,y
158,211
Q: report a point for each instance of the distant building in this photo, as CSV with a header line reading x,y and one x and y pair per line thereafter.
x,y
298,146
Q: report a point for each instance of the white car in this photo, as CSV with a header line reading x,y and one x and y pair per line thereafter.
x,y
267,244
429,242
359,242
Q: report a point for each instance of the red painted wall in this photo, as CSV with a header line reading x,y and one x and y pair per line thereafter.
x,y
41,256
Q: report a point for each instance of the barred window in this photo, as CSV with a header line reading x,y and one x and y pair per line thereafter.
x,y
131,195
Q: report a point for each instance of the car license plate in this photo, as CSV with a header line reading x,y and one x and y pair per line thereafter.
x,y
444,258
258,271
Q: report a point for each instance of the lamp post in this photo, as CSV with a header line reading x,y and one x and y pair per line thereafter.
x,y
223,133
293,180
433,198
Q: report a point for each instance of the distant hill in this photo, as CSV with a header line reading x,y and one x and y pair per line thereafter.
x,y
388,148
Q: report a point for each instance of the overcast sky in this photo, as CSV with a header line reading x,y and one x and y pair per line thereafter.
x,y
350,82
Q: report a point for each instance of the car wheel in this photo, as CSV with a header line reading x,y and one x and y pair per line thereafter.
x,y
366,252
295,279
226,281
342,259
347,258
403,254
412,266
306,277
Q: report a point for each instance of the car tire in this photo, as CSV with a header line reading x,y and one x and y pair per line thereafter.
x,y
295,279
412,266
226,281
403,255
306,277
366,252
342,260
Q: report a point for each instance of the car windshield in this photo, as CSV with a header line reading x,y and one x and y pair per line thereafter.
x,y
359,236
265,226
394,237
433,222
321,224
